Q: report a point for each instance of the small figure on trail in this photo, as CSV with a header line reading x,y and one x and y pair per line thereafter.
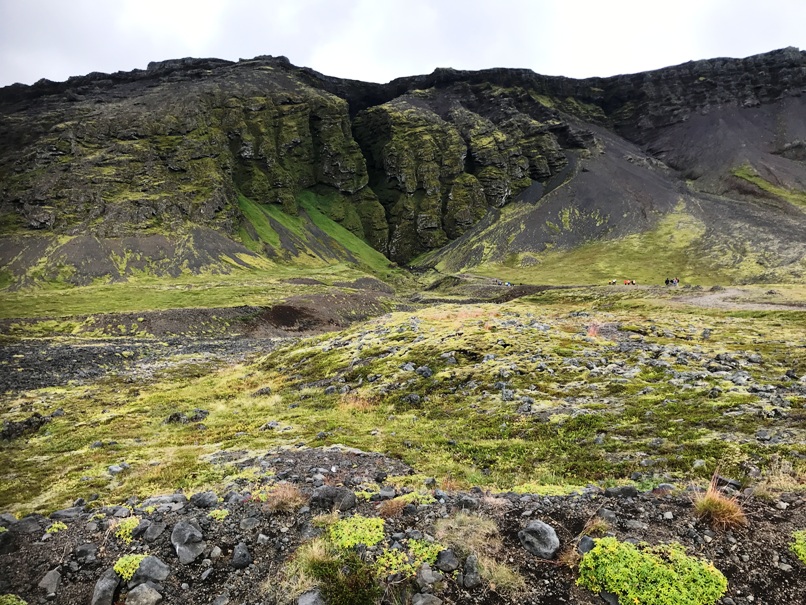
x,y
632,282
668,281
612,282
626,282
676,281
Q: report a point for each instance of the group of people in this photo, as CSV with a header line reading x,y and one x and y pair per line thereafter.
x,y
627,282
672,281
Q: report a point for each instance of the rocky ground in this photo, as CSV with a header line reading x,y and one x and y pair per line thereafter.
x,y
195,558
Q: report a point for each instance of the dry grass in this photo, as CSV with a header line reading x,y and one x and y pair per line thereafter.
x,y
569,557
468,533
295,578
501,577
781,476
451,484
391,508
355,401
495,504
721,511
595,526
286,498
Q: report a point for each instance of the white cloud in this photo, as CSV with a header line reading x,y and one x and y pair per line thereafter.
x,y
379,40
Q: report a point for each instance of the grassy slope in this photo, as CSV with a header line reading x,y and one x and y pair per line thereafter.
x,y
672,249
467,432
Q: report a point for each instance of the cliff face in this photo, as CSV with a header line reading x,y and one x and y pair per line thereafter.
x,y
408,166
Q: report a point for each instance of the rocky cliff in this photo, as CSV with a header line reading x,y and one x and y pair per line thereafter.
x,y
200,156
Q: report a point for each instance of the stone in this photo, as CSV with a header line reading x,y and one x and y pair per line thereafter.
x,y
249,523
204,500
67,514
143,594
427,577
467,502
387,492
447,561
222,599
472,575
312,597
609,598
105,588
50,583
32,524
540,539
621,491
586,544
241,557
154,531
329,496
188,540
85,550
151,569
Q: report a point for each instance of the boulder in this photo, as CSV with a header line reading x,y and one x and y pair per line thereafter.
x,y
204,500
151,569
50,583
447,561
241,557
143,594
329,496
540,539
472,575
105,588
187,540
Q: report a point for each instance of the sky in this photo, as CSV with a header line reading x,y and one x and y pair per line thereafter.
x,y
379,40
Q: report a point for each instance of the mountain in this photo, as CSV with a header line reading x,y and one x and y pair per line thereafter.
x,y
205,165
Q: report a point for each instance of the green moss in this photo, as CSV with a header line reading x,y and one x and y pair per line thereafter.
x,y
660,575
747,173
127,565
56,527
218,514
124,529
347,533
798,545
11,599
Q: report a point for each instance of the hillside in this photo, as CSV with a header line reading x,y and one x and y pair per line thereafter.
x,y
204,165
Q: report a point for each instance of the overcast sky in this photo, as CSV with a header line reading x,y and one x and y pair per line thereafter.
x,y
378,40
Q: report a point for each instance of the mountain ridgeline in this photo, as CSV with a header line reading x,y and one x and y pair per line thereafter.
x,y
206,165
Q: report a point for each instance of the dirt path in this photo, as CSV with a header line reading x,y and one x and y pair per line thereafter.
x,y
732,299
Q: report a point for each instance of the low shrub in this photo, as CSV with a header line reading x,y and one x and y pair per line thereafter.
x,y
124,529
128,565
350,532
218,514
660,575
56,527
798,545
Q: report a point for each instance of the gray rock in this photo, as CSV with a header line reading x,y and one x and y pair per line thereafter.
x,y
32,524
249,523
154,531
312,597
67,514
425,371
222,599
540,539
151,569
425,599
427,577
467,501
85,550
609,598
204,500
472,577
622,491
447,561
585,545
188,540
143,594
241,557
50,583
8,543
7,519
329,496
387,492
105,588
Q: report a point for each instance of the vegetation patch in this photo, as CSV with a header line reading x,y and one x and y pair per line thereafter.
x,y
646,575
798,545
127,565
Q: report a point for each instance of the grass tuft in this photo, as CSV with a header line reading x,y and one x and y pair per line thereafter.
x,y
720,510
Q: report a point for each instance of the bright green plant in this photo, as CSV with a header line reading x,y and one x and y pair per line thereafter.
x,y
128,565
659,575
11,599
3,529
219,514
149,509
346,533
417,498
56,527
798,545
125,528
406,563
